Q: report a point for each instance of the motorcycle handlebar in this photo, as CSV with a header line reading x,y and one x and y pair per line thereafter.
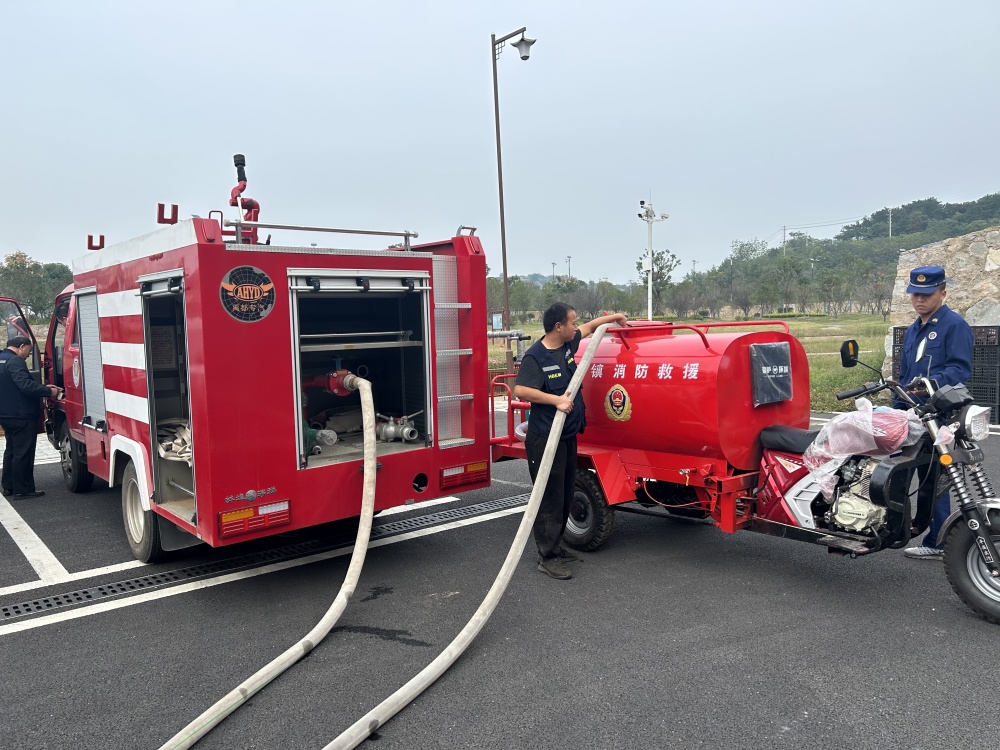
x,y
854,392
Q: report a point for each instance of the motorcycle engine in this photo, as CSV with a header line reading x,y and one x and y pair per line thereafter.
x,y
853,510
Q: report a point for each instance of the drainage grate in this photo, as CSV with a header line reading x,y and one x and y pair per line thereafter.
x,y
253,560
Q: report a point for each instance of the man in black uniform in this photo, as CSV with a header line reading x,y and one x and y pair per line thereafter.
x,y
19,410
545,372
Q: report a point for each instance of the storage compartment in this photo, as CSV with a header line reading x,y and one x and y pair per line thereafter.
x,y
380,335
167,380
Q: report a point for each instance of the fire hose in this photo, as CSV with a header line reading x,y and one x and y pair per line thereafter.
x,y
370,722
198,728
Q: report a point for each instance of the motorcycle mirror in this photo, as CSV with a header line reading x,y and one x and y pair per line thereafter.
x,y
920,350
849,353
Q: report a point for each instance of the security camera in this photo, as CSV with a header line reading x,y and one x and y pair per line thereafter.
x,y
639,215
642,203
664,216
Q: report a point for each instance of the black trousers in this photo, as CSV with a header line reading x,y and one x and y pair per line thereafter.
x,y
554,510
19,455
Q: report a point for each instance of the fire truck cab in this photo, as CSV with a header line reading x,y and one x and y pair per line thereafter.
x,y
204,373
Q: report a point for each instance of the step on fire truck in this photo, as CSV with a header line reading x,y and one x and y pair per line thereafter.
x,y
207,372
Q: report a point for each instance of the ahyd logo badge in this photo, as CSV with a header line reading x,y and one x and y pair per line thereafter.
x,y
617,404
247,294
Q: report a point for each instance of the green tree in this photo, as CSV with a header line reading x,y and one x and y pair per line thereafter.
x,y
494,295
33,284
664,263
682,297
524,296
558,290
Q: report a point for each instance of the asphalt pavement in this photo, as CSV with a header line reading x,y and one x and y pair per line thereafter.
x,y
673,635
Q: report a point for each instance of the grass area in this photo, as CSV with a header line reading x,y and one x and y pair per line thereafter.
x,y
821,337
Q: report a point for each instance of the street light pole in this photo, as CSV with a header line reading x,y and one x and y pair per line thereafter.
x,y
496,47
569,272
648,215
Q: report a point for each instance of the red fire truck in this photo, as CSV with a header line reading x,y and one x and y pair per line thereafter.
x,y
204,374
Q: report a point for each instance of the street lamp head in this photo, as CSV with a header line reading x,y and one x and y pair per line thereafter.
x,y
523,47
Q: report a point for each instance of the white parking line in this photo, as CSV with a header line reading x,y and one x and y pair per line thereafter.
x,y
416,506
49,569
107,606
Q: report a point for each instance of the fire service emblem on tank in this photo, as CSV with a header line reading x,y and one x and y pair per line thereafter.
x,y
617,404
247,294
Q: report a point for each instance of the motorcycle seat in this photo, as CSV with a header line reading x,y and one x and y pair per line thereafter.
x,y
781,437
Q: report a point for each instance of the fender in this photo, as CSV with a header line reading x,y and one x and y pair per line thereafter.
x,y
990,510
135,451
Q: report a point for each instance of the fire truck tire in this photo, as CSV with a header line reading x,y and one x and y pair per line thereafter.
x,y
968,575
591,519
74,468
142,528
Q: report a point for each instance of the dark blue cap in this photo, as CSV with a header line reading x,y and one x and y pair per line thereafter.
x,y
925,280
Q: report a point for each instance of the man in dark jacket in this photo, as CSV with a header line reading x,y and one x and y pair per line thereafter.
x,y
545,372
19,410
947,358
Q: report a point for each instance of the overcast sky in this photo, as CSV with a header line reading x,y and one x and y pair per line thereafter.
x,y
735,117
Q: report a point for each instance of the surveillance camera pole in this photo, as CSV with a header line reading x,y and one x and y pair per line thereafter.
x,y
496,46
648,215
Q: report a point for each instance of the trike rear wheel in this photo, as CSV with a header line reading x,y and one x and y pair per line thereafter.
x,y
591,519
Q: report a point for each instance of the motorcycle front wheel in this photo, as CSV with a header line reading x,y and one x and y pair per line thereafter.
x,y
968,574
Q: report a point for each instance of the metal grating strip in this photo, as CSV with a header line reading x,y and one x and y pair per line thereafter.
x,y
256,559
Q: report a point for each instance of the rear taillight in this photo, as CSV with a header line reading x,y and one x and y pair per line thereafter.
x,y
247,520
467,474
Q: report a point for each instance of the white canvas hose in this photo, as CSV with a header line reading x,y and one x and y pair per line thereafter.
x,y
370,722
233,700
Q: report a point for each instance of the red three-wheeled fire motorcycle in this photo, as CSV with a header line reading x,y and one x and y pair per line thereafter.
x,y
711,421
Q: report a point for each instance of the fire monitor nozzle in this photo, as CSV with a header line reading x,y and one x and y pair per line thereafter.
x,y
240,162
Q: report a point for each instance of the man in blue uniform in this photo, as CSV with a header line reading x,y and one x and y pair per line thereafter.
x,y
20,406
545,372
947,358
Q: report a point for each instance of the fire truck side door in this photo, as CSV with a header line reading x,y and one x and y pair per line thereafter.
x,y
94,413
17,325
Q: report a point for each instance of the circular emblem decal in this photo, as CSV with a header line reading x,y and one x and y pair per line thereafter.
x,y
76,372
973,524
932,335
921,277
617,404
247,294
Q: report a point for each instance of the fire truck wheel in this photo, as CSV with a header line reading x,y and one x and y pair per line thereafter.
x,y
141,526
591,519
968,574
74,468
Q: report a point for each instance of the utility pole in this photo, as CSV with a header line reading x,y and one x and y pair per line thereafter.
x,y
553,272
783,240
569,273
648,215
694,267
890,223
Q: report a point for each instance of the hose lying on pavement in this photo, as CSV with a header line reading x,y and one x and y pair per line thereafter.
x,y
362,729
233,700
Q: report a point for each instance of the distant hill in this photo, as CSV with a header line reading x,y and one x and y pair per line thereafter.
x,y
930,217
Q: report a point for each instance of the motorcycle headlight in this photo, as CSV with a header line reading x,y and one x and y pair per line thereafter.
x,y
976,423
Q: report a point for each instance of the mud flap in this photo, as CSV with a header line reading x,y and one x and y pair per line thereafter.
x,y
173,537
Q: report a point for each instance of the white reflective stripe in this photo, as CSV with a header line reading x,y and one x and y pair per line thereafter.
x,y
178,235
124,355
127,405
117,304
550,367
